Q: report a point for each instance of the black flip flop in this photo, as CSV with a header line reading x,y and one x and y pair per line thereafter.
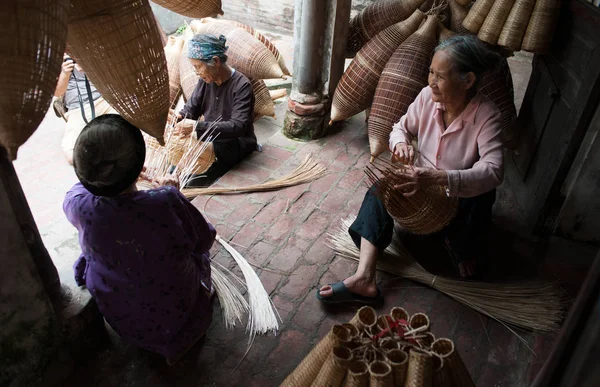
x,y
341,294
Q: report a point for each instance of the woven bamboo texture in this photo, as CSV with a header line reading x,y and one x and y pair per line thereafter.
x,y
444,33
516,25
356,88
311,365
420,369
399,313
463,2
398,360
374,18
456,368
380,374
263,104
477,15
498,86
35,34
357,375
334,370
365,317
441,376
192,8
419,320
187,75
403,77
173,53
178,147
118,45
492,26
245,53
541,26
427,339
458,14
353,330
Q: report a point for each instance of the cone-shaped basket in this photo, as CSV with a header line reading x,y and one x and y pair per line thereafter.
x,y
173,53
516,25
356,88
118,44
444,33
192,8
263,104
420,369
380,374
357,375
398,360
477,15
492,26
334,370
365,317
459,13
541,26
35,34
402,79
311,365
456,368
245,53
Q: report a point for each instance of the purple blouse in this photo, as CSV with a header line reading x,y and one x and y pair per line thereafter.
x,y
145,260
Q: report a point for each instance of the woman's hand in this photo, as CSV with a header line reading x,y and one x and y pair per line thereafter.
x,y
173,116
164,181
184,128
419,178
405,153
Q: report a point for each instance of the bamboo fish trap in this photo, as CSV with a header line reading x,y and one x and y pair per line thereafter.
x,y
188,77
458,14
192,8
444,33
356,88
477,15
245,53
402,79
541,26
263,104
173,53
374,18
516,25
35,35
492,26
118,45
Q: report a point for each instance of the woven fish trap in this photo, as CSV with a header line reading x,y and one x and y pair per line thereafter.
x,y
35,35
464,2
376,17
492,26
306,372
540,29
402,79
245,53
177,148
187,75
498,86
458,14
439,8
334,370
420,369
357,375
356,88
420,321
398,360
365,317
118,45
173,54
263,104
516,24
441,376
444,33
477,15
380,374
455,367
192,8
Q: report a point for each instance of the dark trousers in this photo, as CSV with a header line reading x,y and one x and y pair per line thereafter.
x,y
228,154
463,233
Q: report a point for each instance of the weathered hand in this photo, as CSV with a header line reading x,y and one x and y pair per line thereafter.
x,y
419,178
405,153
184,127
163,181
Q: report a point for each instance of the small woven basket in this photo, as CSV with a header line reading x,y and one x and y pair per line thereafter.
x,y
420,320
515,26
388,344
420,369
427,339
540,29
456,368
477,15
352,329
399,313
492,26
334,370
177,148
172,54
398,360
357,375
192,8
380,374
365,317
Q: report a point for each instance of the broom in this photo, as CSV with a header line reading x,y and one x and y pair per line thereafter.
x,y
528,305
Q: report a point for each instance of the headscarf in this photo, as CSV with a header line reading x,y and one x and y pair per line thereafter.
x,y
205,47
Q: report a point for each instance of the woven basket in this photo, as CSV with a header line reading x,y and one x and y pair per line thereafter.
x,y
464,2
420,369
541,26
388,344
444,33
492,26
357,375
441,377
334,370
263,104
403,77
498,86
380,374
356,88
427,339
477,15
245,53
35,34
458,14
456,368
398,360
376,17
187,75
365,317
399,313
516,25
383,323
173,53
192,8
352,329
118,45
419,320
177,148
311,365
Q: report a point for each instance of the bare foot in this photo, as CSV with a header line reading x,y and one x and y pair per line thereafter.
x,y
357,285
466,269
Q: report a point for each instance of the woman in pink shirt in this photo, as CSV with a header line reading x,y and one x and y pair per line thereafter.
x,y
459,147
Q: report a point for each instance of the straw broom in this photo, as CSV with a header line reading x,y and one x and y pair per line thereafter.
x,y
528,305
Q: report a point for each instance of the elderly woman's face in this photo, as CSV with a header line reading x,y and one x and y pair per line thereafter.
x,y
446,86
204,71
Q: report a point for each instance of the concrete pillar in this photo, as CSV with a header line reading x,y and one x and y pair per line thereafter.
x,y
320,33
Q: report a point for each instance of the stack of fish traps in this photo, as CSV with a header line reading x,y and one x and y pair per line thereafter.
x,y
393,349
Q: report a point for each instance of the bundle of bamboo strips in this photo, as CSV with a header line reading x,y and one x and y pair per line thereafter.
x,y
233,304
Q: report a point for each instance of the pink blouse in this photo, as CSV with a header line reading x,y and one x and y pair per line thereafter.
x,y
469,150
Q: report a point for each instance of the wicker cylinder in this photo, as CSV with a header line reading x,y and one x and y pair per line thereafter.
x,y
541,26
263,104
477,15
399,313
365,317
245,53
420,369
456,368
192,8
376,17
427,339
334,370
492,26
444,33
118,45
515,26
352,329
380,374
388,344
458,14
403,77
173,53
420,320
306,372
35,34
398,360
441,377
356,88
357,375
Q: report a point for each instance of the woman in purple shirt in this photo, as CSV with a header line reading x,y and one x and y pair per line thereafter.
x,y
145,254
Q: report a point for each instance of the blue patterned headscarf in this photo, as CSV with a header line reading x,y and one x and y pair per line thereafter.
x,y
205,47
